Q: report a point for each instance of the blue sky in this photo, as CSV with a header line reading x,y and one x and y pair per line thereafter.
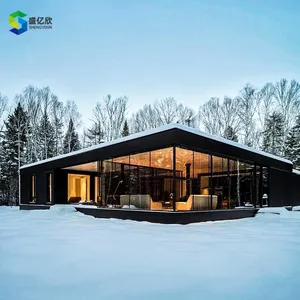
x,y
191,50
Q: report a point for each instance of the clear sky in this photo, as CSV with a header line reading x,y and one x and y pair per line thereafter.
x,y
146,50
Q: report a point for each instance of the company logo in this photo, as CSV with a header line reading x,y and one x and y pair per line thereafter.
x,y
19,25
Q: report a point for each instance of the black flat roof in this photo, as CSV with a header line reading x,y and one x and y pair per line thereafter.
x,y
161,137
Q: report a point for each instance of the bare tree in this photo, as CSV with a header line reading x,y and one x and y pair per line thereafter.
x,y
247,109
229,116
3,107
71,113
57,113
167,110
210,116
186,115
264,108
110,114
45,95
144,119
265,103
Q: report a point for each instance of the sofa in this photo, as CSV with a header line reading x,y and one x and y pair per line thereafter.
x,y
73,200
140,201
201,202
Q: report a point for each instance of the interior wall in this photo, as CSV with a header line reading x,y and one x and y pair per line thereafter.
x,y
97,188
79,186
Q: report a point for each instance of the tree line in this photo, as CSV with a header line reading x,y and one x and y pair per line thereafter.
x,y
37,125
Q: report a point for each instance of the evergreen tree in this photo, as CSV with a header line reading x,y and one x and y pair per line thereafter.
x,y
292,145
71,140
273,134
230,135
95,134
13,153
46,137
125,131
57,123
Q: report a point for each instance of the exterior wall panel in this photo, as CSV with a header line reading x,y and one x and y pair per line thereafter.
x,y
25,188
60,191
284,188
41,187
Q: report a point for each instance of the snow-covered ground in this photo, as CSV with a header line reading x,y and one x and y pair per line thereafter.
x,y
62,254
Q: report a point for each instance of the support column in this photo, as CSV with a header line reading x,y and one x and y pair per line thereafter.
x,y
174,178
260,186
188,179
229,183
211,183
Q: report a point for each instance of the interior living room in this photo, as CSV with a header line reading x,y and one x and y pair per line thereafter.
x,y
172,178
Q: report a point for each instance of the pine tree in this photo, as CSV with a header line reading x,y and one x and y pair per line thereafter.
x,y
58,134
125,131
46,137
13,153
292,145
273,134
95,134
230,135
71,139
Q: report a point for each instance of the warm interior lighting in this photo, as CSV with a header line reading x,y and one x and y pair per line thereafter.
x,y
50,187
33,195
97,189
205,191
90,167
79,186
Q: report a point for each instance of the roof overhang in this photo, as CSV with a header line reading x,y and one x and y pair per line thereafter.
x,y
164,136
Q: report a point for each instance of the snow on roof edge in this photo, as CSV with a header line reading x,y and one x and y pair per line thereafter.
x,y
158,130
232,143
296,171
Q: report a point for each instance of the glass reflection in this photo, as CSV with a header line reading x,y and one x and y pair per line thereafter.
x,y
202,181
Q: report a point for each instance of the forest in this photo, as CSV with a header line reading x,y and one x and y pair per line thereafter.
x,y
36,124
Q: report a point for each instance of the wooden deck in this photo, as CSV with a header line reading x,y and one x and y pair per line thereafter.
x,y
168,217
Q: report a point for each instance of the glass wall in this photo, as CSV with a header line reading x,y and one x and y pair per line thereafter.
x,y
143,180
215,182
194,181
220,182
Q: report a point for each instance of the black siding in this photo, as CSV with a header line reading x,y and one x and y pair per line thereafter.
x,y
25,188
284,188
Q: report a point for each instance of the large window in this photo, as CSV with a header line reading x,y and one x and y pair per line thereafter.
x,y
152,180
185,170
220,182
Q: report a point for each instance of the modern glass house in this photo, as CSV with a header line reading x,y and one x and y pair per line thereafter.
x,y
172,168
